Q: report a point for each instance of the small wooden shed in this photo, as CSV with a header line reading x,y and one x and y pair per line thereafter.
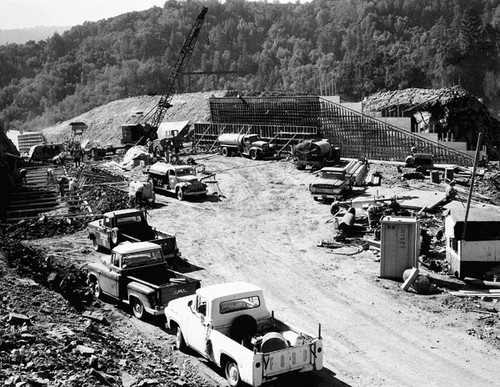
x,y
479,250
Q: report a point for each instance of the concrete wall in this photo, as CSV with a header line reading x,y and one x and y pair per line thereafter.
x,y
399,122
356,106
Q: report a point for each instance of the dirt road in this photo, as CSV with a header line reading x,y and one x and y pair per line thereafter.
x,y
266,229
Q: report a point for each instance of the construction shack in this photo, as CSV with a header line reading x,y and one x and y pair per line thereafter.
x,y
474,253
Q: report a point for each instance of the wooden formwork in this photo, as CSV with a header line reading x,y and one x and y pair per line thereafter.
x,y
285,121
270,111
282,137
360,135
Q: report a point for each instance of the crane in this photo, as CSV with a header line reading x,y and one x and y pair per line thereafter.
x,y
151,127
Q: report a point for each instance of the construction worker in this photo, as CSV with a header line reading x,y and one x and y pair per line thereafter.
x,y
77,156
62,185
50,175
24,181
451,191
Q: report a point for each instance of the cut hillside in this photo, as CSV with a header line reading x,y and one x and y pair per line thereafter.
x,y
104,122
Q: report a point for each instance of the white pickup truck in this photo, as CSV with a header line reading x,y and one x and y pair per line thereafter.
x,y
230,325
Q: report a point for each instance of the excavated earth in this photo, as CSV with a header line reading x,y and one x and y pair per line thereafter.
x,y
262,227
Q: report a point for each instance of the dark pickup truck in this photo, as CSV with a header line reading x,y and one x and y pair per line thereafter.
x,y
129,225
138,275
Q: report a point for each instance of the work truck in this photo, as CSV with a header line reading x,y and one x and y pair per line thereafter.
x,y
138,275
230,325
335,183
249,145
180,180
129,225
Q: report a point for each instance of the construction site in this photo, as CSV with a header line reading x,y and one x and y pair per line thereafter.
x,y
423,314
138,238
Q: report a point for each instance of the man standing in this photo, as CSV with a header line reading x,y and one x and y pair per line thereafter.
x,y
24,180
62,185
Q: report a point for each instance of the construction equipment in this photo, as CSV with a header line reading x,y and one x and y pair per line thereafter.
x,y
149,123
315,153
250,145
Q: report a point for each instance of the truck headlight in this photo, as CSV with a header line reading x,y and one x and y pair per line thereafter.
x,y
313,189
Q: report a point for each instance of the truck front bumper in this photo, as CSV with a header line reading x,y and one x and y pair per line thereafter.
x,y
154,311
195,193
323,196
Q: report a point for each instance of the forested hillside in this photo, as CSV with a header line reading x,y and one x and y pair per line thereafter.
x,y
348,47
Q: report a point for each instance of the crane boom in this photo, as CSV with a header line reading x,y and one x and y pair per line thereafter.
x,y
174,77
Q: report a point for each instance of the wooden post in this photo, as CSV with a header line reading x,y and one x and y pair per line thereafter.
x,y
478,149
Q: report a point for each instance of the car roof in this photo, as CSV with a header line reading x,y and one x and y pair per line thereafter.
x,y
125,211
135,247
227,289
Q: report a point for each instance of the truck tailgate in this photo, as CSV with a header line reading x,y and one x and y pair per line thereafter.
x,y
292,359
173,290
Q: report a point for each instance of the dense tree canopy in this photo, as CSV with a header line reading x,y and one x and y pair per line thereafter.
x,y
348,47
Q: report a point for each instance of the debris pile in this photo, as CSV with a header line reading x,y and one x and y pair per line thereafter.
x,y
48,339
103,198
65,279
44,227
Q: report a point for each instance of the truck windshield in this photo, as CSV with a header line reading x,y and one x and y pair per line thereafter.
x,y
239,304
184,171
332,175
143,258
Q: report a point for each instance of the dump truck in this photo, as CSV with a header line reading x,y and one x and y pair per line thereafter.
x,y
129,225
180,180
230,325
315,154
249,145
138,275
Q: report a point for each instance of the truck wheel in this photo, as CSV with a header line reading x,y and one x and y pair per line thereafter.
x,y
254,155
96,288
300,167
114,236
96,245
224,151
138,309
180,194
180,343
232,373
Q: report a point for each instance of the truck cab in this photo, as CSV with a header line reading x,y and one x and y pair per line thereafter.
x,y
230,325
180,180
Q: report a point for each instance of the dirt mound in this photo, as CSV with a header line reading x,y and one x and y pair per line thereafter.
x,y
104,122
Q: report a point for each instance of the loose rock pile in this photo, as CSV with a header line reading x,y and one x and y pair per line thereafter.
x,y
53,333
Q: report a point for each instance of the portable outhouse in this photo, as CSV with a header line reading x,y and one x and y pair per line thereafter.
x,y
399,245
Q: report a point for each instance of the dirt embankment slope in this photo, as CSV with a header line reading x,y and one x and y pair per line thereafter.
x,y
104,122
